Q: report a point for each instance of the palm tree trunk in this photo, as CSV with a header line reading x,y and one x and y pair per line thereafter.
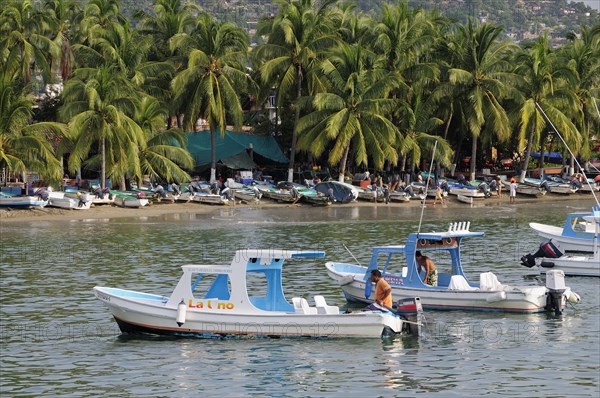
x,y
343,163
103,168
213,155
447,127
296,118
473,157
527,155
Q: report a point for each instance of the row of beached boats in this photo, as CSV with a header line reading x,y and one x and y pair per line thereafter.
x,y
214,300
317,194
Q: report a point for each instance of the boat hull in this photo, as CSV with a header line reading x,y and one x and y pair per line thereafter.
x,y
130,202
69,203
22,201
549,232
137,312
572,265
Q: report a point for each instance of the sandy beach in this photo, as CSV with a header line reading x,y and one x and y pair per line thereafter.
x,y
11,215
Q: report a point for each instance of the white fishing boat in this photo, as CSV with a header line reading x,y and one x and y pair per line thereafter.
x,y
8,200
550,186
216,301
453,291
210,198
464,190
70,201
469,199
579,233
399,196
526,190
367,194
245,192
550,257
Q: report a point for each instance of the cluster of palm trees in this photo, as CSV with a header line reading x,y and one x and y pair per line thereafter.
x,y
355,89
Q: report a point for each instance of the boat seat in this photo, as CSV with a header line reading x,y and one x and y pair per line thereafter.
x,y
489,281
301,306
458,282
323,308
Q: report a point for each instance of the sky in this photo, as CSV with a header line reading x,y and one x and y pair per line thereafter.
x,y
592,3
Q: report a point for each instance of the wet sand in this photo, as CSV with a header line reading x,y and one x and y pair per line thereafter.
x,y
11,215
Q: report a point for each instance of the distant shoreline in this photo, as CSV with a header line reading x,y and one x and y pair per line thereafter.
x,y
11,215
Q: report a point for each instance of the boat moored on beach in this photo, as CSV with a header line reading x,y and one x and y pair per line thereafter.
x,y
18,201
225,300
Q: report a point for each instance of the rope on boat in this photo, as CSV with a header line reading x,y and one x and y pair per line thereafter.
x,y
569,149
427,188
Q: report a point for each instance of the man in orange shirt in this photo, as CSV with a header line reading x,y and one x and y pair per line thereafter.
x,y
383,291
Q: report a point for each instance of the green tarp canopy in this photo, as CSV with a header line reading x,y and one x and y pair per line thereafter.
x,y
232,149
240,161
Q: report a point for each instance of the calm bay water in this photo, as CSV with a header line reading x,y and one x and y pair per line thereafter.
x,y
58,340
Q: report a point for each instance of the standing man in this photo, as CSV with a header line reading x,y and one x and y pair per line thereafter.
x,y
383,291
425,263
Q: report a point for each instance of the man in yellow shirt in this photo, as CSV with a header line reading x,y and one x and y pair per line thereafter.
x,y
383,291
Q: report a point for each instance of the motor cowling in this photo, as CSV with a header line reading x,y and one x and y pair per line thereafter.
x,y
411,310
546,250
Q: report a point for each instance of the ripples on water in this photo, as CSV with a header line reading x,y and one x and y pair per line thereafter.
x,y
58,340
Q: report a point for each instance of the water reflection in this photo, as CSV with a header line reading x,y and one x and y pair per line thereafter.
x,y
57,339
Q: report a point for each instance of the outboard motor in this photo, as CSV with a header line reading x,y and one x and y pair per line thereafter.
x,y
160,191
485,189
546,250
411,310
545,186
42,194
555,282
227,193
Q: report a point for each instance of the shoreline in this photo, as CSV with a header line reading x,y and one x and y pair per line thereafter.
x,y
12,215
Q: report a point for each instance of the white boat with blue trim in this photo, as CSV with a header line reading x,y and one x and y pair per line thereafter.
x,y
579,233
454,291
215,301
9,200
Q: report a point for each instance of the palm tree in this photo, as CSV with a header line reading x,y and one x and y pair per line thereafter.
x,y
19,27
406,39
480,80
164,155
583,55
63,18
24,146
416,124
545,82
97,103
170,18
216,72
353,113
298,36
